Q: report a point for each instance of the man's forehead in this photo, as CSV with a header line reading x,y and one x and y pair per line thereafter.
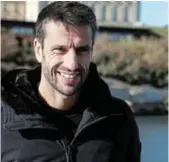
x,y
60,28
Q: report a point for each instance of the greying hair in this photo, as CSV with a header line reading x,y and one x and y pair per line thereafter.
x,y
69,13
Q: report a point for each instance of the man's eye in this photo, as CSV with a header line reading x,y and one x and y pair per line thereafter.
x,y
59,50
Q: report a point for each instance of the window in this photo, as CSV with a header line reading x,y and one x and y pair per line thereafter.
x,y
126,14
114,14
138,10
22,30
16,8
5,6
104,12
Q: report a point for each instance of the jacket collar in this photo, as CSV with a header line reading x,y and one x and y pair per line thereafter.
x,y
22,101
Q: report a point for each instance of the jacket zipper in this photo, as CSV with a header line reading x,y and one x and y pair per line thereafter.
x,y
80,131
84,127
66,148
89,124
67,145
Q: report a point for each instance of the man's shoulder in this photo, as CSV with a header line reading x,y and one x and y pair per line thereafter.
x,y
11,75
104,99
20,70
117,106
121,104
17,89
126,111
18,75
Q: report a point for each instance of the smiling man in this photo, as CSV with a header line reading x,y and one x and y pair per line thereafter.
x,y
62,111
65,58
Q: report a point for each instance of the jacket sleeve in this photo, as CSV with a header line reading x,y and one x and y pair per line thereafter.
x,y
134,147
133,153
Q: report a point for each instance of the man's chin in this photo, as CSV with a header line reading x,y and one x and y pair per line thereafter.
x,y
68,91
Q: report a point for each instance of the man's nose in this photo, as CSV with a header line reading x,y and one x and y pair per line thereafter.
x,y
70,60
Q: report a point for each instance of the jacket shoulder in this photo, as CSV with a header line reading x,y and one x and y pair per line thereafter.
x,y
119,105
128,116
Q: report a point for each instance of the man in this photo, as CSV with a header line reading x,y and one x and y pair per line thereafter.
x,y
62,111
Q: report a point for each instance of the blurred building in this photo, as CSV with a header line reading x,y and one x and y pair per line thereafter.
x,y
16,15
20,10
120,19
107,13
13,10
113,13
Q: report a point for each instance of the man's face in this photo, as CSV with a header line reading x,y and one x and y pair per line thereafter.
x,y
66,56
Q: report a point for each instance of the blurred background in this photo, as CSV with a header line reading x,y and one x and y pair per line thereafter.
x,y
131,52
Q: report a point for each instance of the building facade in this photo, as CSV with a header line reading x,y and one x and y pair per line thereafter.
x,y
20,10
116,13
13,10
118,18
108,13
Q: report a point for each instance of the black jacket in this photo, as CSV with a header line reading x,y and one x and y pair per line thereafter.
x,y
31,133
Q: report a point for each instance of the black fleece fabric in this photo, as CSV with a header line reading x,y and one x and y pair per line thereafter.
x,y
31,131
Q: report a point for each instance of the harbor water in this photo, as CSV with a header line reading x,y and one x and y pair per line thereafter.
x,y
154,138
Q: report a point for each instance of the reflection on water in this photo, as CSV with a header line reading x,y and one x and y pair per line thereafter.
x,y
154,138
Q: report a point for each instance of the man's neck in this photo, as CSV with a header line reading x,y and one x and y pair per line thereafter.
x,y
54,98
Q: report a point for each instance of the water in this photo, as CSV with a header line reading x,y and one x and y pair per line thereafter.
x,y
154,137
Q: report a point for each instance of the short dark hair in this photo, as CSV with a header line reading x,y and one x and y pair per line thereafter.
x,y
67,12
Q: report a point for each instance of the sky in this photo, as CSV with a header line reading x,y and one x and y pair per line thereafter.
x,y
154,13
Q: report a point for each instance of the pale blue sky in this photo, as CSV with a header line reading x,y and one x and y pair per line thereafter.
x,y
154,13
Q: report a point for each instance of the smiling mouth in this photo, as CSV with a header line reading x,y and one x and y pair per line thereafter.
x,y
69,76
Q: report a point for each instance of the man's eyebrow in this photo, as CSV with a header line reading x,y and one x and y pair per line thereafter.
x,y
85,47
58,46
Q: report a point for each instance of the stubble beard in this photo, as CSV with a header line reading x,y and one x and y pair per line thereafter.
x,y
51,75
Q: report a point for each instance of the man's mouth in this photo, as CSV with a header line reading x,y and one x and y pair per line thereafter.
x,y
69,76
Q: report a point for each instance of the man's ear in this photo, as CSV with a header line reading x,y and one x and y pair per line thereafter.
x,y
38,50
